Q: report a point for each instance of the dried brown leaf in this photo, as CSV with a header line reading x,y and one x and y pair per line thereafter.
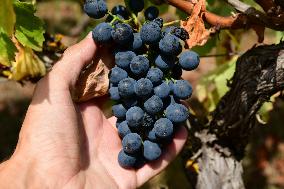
x,y
93,82
195,26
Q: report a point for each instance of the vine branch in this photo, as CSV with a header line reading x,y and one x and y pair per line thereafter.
x,y
246,18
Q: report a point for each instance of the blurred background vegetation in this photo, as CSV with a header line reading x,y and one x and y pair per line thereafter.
x,y
264,163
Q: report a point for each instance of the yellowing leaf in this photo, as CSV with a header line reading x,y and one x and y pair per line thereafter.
x,y
27,65
7,17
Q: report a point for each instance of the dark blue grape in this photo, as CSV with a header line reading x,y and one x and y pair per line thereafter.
x,y
152,136
136,5
123,129
189,60
155,75
126,160
153,105
117,74
151,150
102,33
137,44
159,21
130,102
165,62
126,87
176,71
120,10
170,45
114,94
148,121
123,59
118,121
151,13
150,33
139,65
131,143
162,91
182,89
95,8
181,33
163,128
119,111
122,34
169,29
134,116
143,87
177,113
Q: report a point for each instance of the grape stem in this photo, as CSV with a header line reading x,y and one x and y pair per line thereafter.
x,y
115,18
171,23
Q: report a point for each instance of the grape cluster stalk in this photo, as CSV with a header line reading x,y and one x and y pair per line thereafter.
x,y
145,83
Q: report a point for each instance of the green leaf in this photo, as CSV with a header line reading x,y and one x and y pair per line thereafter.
x,y
29,28
7,16
7,49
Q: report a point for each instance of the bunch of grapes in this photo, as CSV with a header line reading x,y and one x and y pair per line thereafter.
x,y
145,82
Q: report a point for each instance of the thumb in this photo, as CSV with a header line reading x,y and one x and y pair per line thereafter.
x,y
74,59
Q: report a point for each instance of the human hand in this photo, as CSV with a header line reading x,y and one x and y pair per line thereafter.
x,y
63,144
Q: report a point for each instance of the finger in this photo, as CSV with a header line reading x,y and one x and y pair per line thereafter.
x,y
151,169
74,59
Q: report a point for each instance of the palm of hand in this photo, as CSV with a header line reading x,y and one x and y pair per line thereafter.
x,y
75,144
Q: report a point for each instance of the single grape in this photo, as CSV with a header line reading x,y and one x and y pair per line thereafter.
x,y
152,136
170,45
123,129
143,87
117,74
148,121
180,33
95,8
118,121
114,94
153,105
126,160
162,91
137,44
152,151
159,21
155,75
120,10
177,113
169,29
123,59
134,117
122,34
189,60
119,111
102,33
176,71
163,128
151,13
139,65
182,89
131,143
165,62
130,102
150,33
136,5
126,87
